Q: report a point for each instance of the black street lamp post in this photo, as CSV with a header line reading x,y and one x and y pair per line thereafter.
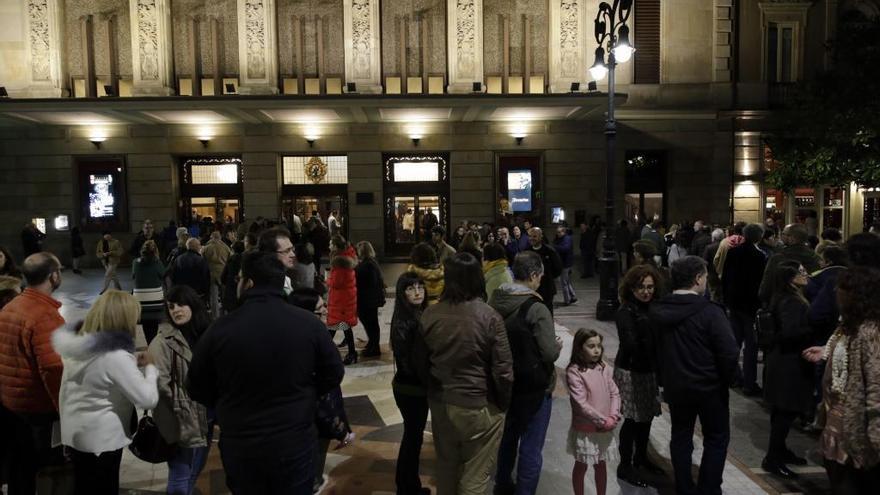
x,y
612,31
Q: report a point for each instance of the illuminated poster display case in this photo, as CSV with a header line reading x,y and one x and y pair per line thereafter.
x,y
101,195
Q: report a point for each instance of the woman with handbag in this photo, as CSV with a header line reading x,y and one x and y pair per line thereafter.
x,y
100,388
147,272
371,296
180,420
788,379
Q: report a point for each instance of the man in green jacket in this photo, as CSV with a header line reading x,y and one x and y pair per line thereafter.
x,y
529,415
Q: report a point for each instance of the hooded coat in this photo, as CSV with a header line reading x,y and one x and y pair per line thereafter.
x,y
342,283
507,300
496,274
696,351
100,387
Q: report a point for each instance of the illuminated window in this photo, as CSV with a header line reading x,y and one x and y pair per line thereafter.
x,y
416,172
298,170
221,173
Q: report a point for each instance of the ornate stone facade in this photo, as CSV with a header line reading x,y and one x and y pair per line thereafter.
x,y
568,32
257,47
363,45
47,75
151,47
465,44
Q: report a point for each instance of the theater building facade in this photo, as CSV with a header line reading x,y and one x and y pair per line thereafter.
x,y
398,114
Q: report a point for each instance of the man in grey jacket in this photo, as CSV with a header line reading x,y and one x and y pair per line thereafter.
x,y
529,415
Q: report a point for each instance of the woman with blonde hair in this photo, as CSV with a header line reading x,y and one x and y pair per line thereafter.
x,y
370,296
100,388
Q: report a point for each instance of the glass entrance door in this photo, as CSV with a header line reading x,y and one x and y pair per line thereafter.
x,y
224,209
413,218
319,206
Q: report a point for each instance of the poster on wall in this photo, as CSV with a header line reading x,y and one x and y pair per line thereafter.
x,y
519,190
102,196
102,202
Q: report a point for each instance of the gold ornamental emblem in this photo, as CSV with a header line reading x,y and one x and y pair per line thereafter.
x,y
316,170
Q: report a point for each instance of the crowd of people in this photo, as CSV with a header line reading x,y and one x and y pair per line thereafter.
x,y
249,347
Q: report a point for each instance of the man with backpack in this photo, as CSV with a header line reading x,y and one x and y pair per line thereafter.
x,y
533,344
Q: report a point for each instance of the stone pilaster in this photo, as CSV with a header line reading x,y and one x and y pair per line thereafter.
x,y
363,45
723,46
44,23
257,47
568,33
151,50
464,34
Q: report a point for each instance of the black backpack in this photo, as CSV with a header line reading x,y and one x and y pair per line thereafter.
x,y
531,375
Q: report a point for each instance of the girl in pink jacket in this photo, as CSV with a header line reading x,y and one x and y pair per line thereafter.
x,y
595,410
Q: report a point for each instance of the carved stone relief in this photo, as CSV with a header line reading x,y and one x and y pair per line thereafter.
x,y
148,40
39,39
257,49
151,47
568,32
47,75
465,51
362,44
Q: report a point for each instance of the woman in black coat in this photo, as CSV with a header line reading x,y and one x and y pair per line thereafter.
x,y
635,372
788,378
371,296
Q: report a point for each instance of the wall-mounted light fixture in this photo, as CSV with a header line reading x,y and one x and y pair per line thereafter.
x,y
415,138
311,138
519,136
97,140
204,140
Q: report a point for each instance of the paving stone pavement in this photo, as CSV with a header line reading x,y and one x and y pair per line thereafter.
x,y
367,467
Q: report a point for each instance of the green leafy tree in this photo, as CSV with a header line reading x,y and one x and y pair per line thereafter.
x,y
830,132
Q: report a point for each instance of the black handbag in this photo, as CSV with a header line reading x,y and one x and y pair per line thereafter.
x,y
147,443
765,328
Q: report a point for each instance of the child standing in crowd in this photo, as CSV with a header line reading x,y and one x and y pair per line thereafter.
x,y
595,410
342,301
410,393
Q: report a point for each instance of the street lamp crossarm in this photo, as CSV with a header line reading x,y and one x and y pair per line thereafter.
x,y
614,16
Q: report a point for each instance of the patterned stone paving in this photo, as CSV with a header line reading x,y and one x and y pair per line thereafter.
x,y
367,466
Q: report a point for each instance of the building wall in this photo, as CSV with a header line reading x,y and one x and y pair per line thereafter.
x,y
409,13
37,169
13,49
74,10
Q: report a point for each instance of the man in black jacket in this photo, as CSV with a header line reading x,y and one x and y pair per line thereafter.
x,y
741,279
697,358
262,368
190,268
552,266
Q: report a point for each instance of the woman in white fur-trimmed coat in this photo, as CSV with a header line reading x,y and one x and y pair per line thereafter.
x,y
100,387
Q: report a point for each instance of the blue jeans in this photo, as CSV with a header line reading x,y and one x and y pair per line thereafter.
x,y
525,435
184,469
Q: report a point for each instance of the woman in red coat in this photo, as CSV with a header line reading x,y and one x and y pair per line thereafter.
x,y
342,301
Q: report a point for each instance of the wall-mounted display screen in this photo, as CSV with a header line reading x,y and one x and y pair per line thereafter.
x,y
102,196
102,201
519,190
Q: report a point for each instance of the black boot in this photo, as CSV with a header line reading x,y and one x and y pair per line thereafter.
x,y
625,472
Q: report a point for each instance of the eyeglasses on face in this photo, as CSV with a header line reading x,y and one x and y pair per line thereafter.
x,y
286,251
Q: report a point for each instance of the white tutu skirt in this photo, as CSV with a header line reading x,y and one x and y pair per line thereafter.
x,y
591,448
